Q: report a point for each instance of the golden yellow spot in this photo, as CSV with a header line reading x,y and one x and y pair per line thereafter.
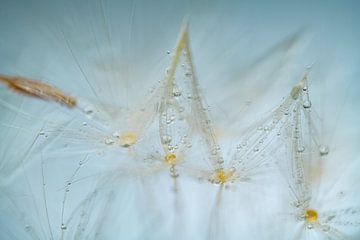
x,y
128,139
170,159
222,176
311,216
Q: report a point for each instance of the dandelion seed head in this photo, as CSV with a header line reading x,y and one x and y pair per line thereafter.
x,y
102,55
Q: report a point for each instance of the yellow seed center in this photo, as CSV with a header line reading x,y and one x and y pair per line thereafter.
x,y
222,176
170,159
311,216
128,139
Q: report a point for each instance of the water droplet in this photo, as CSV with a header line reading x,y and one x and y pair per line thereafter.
x,y
307,104
27,228
116,134
84,124
89,110
297,204
220,161
301,149
166,139
173,172
177,93
324,150
214,152
63,227
109,141
168,52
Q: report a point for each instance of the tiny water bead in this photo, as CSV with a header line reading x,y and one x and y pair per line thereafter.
x,y
301,149
27,228
63,227
109,141
170,159
88,110
307,104
128,139
173,172
324,150
311,216
166,139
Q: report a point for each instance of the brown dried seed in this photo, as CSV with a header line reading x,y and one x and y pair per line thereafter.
x,y
37,89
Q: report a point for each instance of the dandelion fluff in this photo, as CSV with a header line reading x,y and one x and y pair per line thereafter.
x,y
103,170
